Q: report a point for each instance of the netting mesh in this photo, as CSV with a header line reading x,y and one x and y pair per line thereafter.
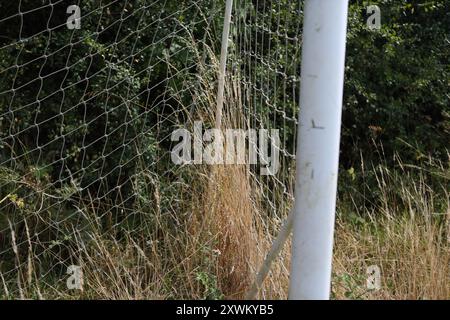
x,y
265,61
86,116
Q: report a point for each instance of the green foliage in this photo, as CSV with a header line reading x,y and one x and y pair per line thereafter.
x,y
397,81
209,283
83,105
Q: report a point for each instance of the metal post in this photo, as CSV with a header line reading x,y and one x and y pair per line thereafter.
x,y
323,59
223,62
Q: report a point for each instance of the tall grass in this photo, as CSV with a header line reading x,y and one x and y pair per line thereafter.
x,y
404,229
219,242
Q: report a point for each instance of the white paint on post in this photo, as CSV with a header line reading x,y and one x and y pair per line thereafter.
x,y
223,62
323,59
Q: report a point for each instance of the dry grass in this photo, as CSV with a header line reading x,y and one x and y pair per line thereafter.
x,y
217,250
411,248
406,236
412,254
236,221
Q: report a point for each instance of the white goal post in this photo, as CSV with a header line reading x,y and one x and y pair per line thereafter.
x,y
322,77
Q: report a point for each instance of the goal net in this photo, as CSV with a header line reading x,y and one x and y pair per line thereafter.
x,y
90,94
